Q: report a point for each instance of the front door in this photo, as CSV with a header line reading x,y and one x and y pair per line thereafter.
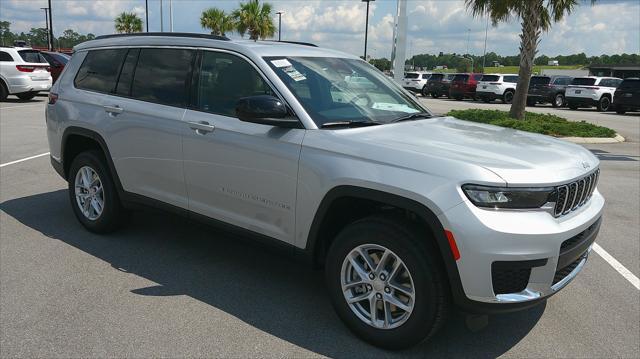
x,y
241,173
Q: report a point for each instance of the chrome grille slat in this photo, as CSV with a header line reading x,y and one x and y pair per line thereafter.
x,y
571,196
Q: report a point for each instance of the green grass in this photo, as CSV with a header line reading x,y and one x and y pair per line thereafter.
x,y
545,124
536,69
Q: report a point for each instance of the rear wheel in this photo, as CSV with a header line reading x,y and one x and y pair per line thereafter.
x,y
558,100
386,283
93,193
27,95
3,91
604,104
507,97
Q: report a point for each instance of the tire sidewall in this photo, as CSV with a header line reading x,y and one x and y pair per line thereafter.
x,y
555,100
111,213
4,92
508,97
424,315
605,104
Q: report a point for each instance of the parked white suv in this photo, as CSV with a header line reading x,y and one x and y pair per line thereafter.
x,y
592,91
416,81
319,152
23,72
497,86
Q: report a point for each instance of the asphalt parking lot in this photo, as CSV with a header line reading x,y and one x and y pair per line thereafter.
x,y
165,287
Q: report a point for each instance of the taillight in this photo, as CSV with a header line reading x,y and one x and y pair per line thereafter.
x,y
53,97
48,68
23,68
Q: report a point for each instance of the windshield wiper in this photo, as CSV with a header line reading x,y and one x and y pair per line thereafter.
x,y
412,116
349,124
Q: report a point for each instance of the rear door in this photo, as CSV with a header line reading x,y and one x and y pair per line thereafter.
x,y
240,173
144,113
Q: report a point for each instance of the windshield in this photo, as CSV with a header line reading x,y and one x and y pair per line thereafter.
x,y
339,89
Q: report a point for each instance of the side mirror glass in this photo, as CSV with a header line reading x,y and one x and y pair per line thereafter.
x,y
266,110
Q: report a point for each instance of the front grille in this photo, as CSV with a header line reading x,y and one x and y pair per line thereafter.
x,y
563,272
512,276
573,195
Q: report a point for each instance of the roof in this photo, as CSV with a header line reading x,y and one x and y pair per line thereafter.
x,y
258,48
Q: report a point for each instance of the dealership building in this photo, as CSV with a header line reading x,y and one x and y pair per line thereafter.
x,y
621,71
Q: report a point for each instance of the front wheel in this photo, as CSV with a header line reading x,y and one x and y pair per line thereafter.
x,y
604,104
25,96
93,193
386,283
507,97
558,100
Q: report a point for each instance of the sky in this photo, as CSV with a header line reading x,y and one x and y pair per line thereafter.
x,y
608,27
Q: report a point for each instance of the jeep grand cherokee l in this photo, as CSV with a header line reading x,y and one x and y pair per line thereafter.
x,y
548,89
407,212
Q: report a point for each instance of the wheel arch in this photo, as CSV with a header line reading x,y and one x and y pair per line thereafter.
x,y
76,140
321,232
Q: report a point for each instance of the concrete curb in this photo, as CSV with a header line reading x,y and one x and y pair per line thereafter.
x,y
616,139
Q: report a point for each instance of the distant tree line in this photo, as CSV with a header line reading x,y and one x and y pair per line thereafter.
x,y
38,37
461,62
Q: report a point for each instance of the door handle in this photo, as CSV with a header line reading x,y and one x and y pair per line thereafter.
x,y
113,110
202,127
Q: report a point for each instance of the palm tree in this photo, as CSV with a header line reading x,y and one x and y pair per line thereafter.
x,y
217,21
128,22
536,16
255,19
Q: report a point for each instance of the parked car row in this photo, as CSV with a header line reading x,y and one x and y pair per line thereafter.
x,y
604,93
24,71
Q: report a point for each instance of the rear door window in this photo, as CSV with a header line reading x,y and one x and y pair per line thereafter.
x,y
562,81
126,74
99,70
511,79
162,76
436,77
32,56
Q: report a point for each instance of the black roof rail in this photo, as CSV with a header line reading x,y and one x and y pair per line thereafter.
x,y
294,42
172,34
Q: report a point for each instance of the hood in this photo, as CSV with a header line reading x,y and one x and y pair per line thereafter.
x,y
519,158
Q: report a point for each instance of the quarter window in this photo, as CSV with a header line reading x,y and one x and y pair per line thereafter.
x,y
5,57
99,71
162,76
224,79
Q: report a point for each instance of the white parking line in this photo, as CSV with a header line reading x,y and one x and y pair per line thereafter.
x,y
23,159
617,266
8,107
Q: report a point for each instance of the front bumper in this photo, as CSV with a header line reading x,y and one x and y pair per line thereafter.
x,y
487,238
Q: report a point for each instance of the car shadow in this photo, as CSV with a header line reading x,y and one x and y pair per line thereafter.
x,y
264,288
17,100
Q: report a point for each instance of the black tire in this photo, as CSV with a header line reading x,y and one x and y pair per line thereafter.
x,y
458,98
485,99
3,91
558,100
412,246
507,97
25,96
113,213
572,106
604,104
424,91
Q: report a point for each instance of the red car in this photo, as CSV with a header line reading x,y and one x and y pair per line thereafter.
x,y
464,85
57,60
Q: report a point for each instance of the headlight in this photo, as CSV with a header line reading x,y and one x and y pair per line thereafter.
x,y
503,197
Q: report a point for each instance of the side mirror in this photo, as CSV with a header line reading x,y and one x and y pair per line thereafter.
x,y
265,110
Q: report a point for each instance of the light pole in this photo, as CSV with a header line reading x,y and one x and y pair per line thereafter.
x,y
161,20
366,29
46,25
51,27
280,24
146,13
170,15
468,38
484,55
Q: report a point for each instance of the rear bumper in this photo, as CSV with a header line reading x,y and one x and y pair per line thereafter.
x,y
20,85
488,95
581,101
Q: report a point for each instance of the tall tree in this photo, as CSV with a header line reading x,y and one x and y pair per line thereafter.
x,y
128,22
254,19
217,21
536,16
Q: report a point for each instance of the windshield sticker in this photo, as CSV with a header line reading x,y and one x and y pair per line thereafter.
x,y
398,107
294,74
281,63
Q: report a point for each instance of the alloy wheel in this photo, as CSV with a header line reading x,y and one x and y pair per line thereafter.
x,y
89,193
377,286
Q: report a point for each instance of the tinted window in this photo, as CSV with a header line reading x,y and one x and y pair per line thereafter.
x,y
632,84
461,78
511,79
477,77
436,77
5,57
583,81
99,71
490,78
615,82
426,76
450,77
161,76
562,81
32,56
539,80
225,78
61,58
126,74
411,75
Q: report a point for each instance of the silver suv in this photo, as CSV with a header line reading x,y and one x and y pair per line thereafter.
x,y
407,212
